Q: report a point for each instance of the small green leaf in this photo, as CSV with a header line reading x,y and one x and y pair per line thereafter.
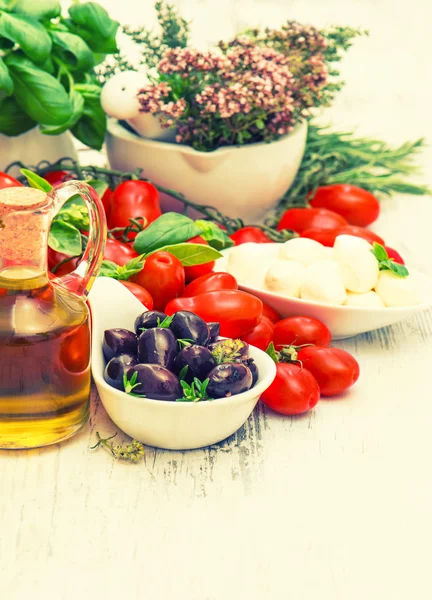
x,y
77,103
214,235
260,124
91,127
165,323
379,252
93,17
36,181
391,265
183,373
74,214
191,254
271,351
65,238
169,229
38,9
108,269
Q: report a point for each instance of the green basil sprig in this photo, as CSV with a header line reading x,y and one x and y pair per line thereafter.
x,y
388,264
47,65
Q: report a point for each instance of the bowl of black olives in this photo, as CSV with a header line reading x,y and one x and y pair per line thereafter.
x,y
171,381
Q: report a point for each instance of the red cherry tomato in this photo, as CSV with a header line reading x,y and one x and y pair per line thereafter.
x,y
7,181
261,335
237,312
299,219
301,330
210,282
192,273
118,252
250,234
106,201
327,236
133,199
163,277
356,205
293,392
271,313
56,178
139,292
394,255
333,368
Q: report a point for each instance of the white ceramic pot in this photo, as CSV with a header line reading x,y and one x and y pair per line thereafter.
x,y
33,146
240,181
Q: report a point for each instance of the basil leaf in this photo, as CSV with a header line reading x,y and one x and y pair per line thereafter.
x,y
6,83
191,254
91,127
93,17
65,238
13,121
391,265
170,228
39,9
214,235
36,181
77,102
38,93
73,50
75,214
28,33
108,269
271,351
88,90
379,252
92,23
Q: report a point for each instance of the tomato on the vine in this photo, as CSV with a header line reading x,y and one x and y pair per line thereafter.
x,y
210,282
299,219
195,271
118,252
133,199
56,178
139,292
163,277
261,335
334,369
294,390
237,312
327,236
7,181
356,205
301,330
249,234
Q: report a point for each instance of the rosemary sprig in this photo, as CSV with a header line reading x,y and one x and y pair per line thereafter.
x,y
133,452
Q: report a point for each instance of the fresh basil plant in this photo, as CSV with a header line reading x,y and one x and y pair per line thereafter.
x,y
47,65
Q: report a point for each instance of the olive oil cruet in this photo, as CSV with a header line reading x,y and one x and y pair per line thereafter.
x,y
44,321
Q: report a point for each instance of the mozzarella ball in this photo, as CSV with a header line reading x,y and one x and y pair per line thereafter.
x,y
303,250
366,300
286,278
397,291
249,264
359,265
323,283
119,94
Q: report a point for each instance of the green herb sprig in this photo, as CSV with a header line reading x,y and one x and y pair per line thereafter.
x,y
194,392
133,452
386,263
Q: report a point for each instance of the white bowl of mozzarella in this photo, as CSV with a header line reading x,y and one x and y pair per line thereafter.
x,y
341,286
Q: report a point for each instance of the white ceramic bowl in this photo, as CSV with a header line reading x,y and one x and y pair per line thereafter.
x,y
343,321
170,425
245,181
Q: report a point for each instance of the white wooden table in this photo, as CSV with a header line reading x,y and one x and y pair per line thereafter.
x,y
335,504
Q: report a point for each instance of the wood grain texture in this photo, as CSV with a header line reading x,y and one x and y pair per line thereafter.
x,y
335,504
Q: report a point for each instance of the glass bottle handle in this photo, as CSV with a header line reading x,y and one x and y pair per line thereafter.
x,y
81,279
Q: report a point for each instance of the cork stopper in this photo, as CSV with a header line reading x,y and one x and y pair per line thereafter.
x,y
23,225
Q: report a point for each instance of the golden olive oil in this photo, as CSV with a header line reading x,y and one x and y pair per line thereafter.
x,y
44,360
